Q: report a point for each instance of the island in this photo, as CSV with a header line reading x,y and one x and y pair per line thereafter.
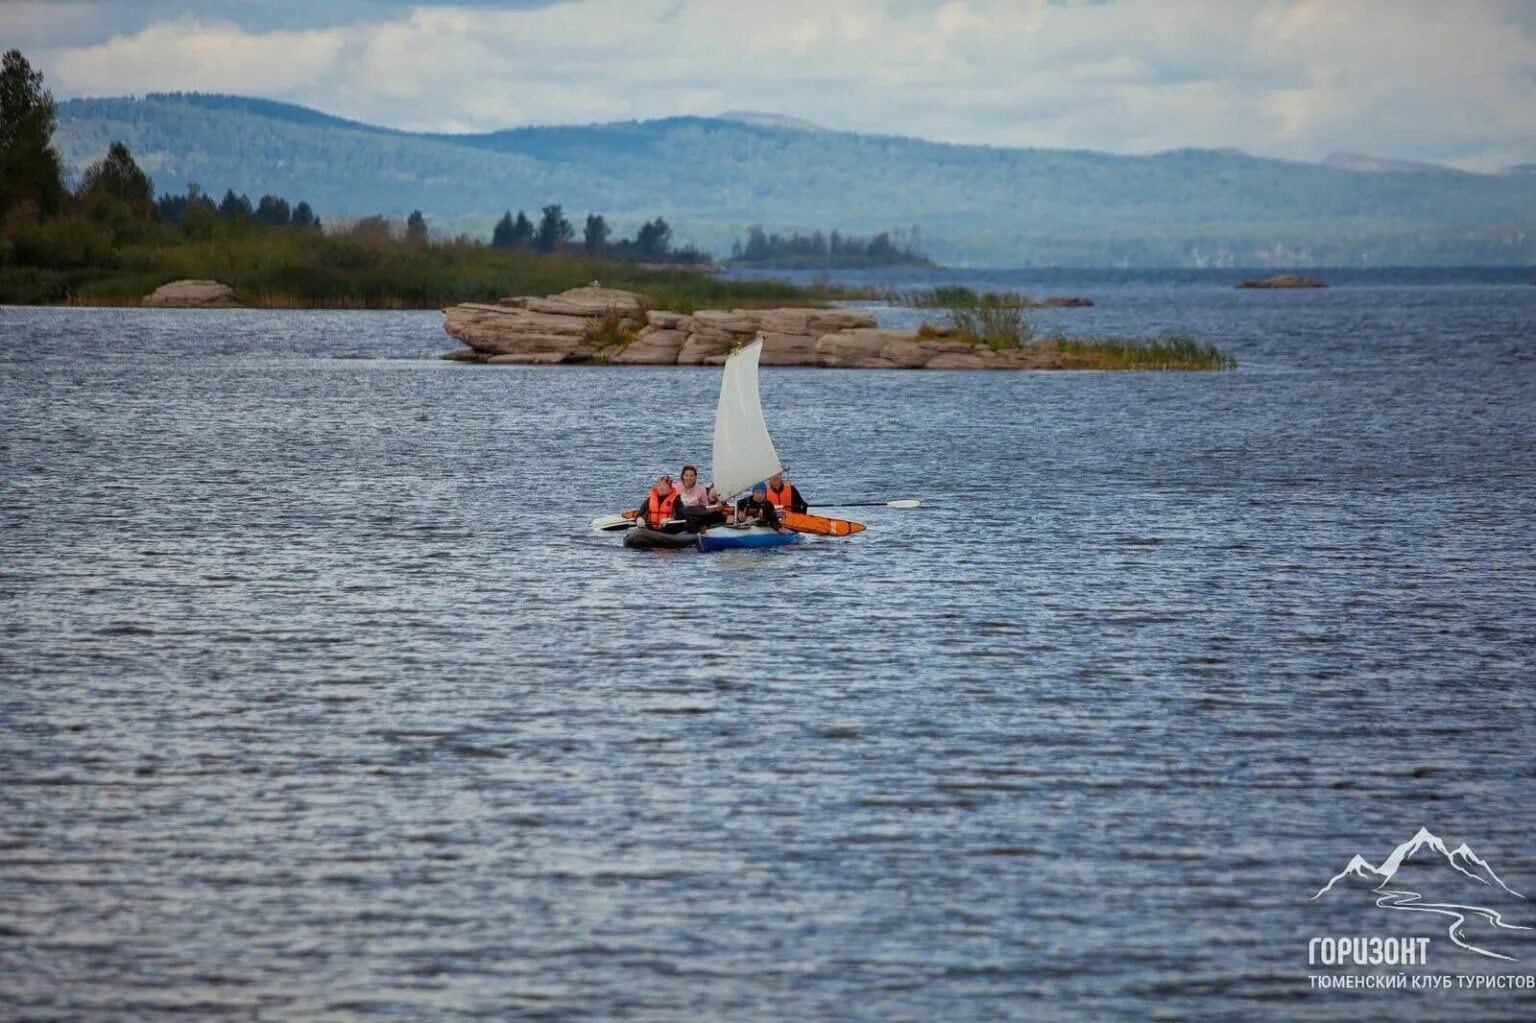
x,y
1286,281
609,326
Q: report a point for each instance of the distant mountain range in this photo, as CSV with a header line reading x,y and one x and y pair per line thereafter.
x,y
713,177
1362,162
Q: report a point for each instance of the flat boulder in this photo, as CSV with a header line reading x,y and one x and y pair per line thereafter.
x,y
865,347
652,348
957,360
906,352
1286,281
789,350
589,301
567,348
812,321
701,346
668,320
191,294
736,322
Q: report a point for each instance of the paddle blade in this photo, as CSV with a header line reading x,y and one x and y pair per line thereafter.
x,y
611,523
906,502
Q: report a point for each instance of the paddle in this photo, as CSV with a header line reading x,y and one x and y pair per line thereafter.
x,y
619,523
905,502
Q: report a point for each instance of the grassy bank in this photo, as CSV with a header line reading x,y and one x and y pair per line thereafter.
x,y
285,268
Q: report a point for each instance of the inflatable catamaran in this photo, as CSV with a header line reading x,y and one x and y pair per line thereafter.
x,y
744,454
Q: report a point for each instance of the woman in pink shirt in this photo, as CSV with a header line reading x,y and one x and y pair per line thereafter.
x,y
700,505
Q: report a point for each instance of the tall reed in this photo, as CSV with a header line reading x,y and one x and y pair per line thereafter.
x,y
1172,353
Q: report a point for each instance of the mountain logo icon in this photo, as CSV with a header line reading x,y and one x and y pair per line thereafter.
x,y
1423,875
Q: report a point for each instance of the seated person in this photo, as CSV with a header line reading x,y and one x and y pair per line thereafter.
x,y
660,510
756,508
784,495
698,504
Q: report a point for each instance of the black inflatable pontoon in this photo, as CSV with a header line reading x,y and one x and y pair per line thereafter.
x,y
643,539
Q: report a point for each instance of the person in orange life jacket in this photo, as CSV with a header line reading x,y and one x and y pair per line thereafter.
x,y
757,508
660,507
698,504
784,496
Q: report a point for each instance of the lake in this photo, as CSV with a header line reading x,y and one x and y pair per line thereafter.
x,y
321,700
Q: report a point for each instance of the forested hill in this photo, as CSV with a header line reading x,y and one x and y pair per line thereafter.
x,y
712,178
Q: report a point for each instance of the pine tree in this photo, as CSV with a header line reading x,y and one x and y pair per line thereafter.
x,y
501,234
416,228
273,210
595,237
522,231
235,206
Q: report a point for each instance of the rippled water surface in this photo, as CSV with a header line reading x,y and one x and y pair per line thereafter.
x,y
319,700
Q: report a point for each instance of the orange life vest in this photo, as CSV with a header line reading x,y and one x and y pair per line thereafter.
x,y
782,497
659,509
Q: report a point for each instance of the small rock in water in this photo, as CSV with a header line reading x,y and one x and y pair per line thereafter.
x,y
192,294
1286,281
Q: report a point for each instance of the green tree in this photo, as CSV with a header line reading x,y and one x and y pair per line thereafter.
x,y
595,237
273,210
117,176
522,231
654,238
501,234
373,229
30,169
416,228
198,218
234,206
304,216
554,230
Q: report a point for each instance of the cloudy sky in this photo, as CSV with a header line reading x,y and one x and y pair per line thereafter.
x,y
1452,81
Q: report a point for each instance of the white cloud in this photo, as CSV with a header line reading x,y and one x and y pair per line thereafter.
x,y
187,55
1296,78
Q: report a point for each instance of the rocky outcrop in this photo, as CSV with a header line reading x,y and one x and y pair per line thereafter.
x,y
192,295
606,326
1286,281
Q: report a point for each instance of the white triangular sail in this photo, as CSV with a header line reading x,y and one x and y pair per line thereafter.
x,y
744,452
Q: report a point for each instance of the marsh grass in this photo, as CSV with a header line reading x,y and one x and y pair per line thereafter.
x,y
954,297
613,328
1172,353
999,327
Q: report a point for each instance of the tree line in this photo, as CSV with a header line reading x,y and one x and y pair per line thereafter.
x,y
272,210
817,249
554,233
